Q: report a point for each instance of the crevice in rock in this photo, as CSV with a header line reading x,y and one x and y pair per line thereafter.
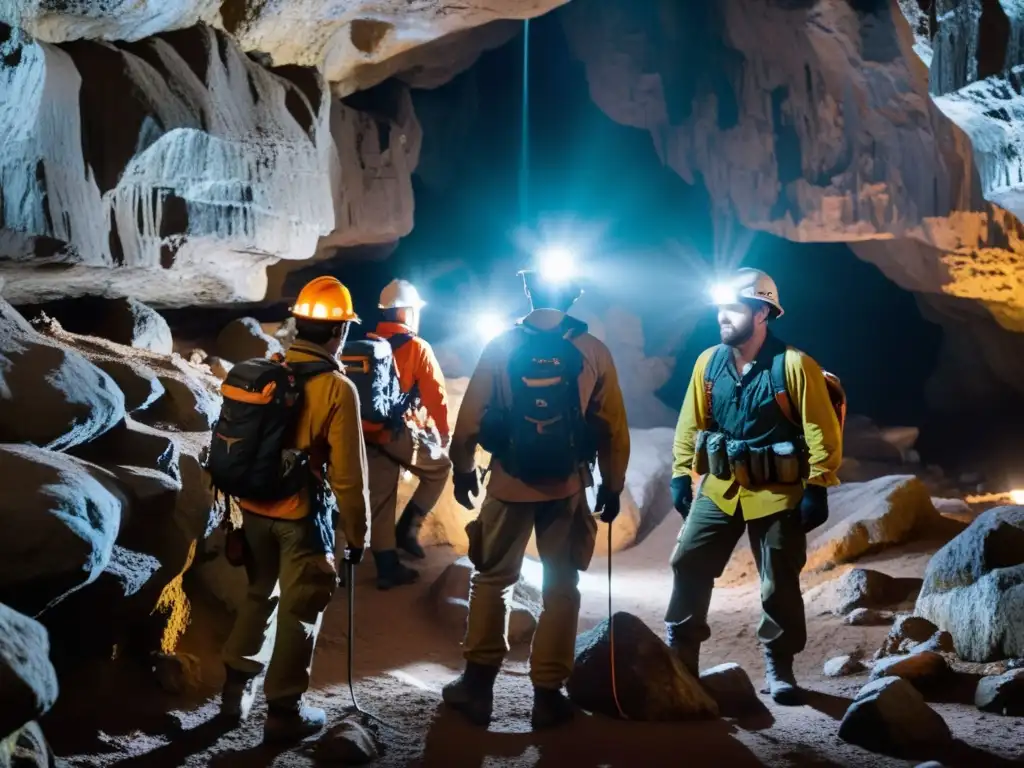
x,y
367,34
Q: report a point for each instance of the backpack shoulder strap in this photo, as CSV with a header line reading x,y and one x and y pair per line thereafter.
x,y
306,371
716,364
778,374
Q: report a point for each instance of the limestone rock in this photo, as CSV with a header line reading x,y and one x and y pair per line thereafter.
x,y
50,395
730,687
58,524
940,642
28,682
890,716
1003,695
132,443
841,666
30,749
125,321
243,338
867,516
139,383
907,629
863,588
651,682
347,743
922,668
449,604
219,367
868,617
188,405
974,587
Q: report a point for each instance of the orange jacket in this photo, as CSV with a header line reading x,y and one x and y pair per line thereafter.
x,y
417,366
328,428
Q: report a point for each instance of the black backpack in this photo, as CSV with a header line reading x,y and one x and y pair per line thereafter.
x,y
370,365
248,458
547,439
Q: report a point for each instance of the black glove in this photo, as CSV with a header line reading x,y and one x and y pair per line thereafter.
x,y
608,504
353,555
813,507
467,485
682,494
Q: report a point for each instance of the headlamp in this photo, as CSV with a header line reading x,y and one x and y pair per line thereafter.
x,y
722,294
556,264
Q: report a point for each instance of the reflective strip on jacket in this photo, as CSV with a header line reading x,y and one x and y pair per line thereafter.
x,y
329,429
600,397
809,395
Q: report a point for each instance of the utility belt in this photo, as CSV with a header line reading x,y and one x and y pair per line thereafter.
x,y
777,464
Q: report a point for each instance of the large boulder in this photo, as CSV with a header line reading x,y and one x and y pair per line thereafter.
x,y
244,338
861,588
122,320
28,683
138,382
974,587
1002,694
868,516
50,395
650,681
449,604
58,524
890,716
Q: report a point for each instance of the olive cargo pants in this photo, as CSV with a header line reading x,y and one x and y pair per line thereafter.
x,y
566,533
291,582
421,454
705,544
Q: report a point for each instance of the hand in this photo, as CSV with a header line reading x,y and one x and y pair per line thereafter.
x,y
353,555
467,486
608,504
813,507
682,494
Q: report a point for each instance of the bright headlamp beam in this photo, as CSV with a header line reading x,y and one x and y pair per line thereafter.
x,y
490,325
556,264
722,294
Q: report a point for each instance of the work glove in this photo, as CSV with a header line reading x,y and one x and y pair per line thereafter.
x,y
353,555
682,494
813,507
608,504
467,486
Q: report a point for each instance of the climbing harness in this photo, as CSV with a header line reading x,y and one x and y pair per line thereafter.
x,y
351,589
611,628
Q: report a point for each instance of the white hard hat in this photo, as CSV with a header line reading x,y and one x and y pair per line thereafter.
x,y
399,294
748,284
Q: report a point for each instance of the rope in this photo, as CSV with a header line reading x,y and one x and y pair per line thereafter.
x,y
350,584
611,628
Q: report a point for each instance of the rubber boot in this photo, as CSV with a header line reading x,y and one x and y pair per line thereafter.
x,y
551,708
238,696
391,572
293,722
472,693
687,651
780,681
408,529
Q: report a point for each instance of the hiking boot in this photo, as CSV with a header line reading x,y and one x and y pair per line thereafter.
x,y
408,529
551,708
238,696
293,723
472,693
780,681
391,572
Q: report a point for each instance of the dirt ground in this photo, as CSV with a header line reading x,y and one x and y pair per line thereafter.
x,y
114,715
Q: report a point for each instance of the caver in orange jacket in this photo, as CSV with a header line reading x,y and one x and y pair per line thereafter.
x,y
328,428
417,366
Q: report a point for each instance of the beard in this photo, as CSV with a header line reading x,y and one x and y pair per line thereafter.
x,y
735,336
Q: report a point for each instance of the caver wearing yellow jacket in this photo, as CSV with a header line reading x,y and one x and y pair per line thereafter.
x,y
765,459
291,567
570,382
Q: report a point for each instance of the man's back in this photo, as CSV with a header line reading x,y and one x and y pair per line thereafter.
x,y
418,368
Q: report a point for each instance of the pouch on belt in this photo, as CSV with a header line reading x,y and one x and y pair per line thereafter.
x,y
786,463
760,466
739,462
700,453
718,458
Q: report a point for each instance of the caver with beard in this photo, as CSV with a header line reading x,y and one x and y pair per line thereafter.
x,y
758,428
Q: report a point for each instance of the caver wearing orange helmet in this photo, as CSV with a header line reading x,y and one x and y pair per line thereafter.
x,y
290,543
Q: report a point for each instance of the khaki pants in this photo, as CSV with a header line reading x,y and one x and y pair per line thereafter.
x,y
705,544
421,454
566,533
291,582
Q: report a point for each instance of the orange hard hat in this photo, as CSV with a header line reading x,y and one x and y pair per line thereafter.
x,y
325,298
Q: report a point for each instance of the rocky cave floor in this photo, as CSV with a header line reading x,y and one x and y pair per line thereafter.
x,y
111,715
